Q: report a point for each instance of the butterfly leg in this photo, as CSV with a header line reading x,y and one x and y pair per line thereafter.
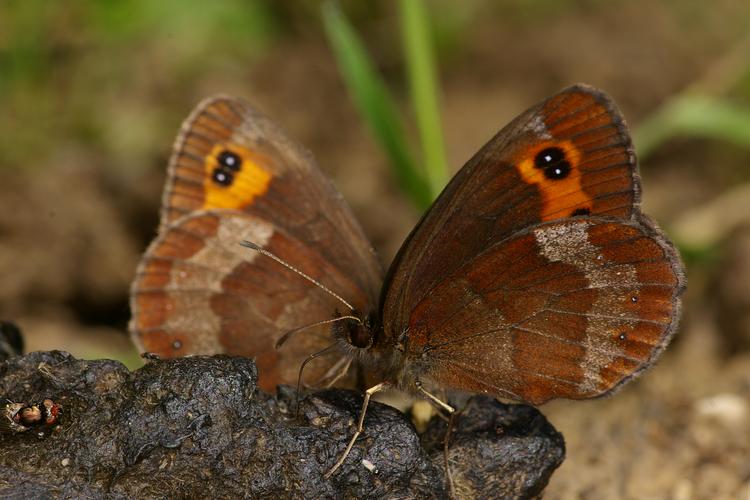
x,y
334,377
434,399
446,444
360,426
452,413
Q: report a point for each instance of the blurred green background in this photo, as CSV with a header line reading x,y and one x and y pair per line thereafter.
x,y
92,94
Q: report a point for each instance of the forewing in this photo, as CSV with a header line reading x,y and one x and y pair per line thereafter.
x,y
501,190
275,179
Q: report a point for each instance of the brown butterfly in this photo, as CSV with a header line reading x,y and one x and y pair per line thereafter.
x,y
533,276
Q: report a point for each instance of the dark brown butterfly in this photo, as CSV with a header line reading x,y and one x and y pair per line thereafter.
x,y
533,276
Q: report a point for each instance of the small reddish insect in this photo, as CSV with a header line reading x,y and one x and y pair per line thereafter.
x,y
21,417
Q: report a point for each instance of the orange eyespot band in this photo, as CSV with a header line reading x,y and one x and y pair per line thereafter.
x,y
554,167
233,179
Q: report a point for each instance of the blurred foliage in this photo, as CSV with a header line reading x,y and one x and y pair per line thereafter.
x,y
695,116
420,62
375,103
53,55
703,109
422,181
41,31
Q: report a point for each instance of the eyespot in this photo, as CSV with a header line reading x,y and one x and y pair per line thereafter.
x,y
229,160
549,156
581,211
222,177
559,171
554,163
177,344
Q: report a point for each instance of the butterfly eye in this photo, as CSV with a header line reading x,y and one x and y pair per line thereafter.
x,y
553,161
359,335
229,160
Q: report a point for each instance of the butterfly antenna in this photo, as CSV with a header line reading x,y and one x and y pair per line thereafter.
x,y
288,334
263,251
302,368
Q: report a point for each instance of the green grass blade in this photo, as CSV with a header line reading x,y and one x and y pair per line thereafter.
x,y
420,60
695,116
374,102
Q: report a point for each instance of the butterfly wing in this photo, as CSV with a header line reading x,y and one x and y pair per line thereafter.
x,y
272,177
235,176
476,302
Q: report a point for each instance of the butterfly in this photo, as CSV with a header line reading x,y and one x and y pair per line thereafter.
x,y
534,275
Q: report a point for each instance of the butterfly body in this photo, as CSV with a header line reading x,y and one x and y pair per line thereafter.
x,y
533,276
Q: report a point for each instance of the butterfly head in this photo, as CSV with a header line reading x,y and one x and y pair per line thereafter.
x,y
359,333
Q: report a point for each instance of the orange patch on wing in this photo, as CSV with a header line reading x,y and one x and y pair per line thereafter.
x,y
153,309
249,182
560,197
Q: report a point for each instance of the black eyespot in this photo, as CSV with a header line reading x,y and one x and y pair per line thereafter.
x,y
229,160
177,344
581,211
558,171
633,299
222,177
622,336
549,156
553,161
